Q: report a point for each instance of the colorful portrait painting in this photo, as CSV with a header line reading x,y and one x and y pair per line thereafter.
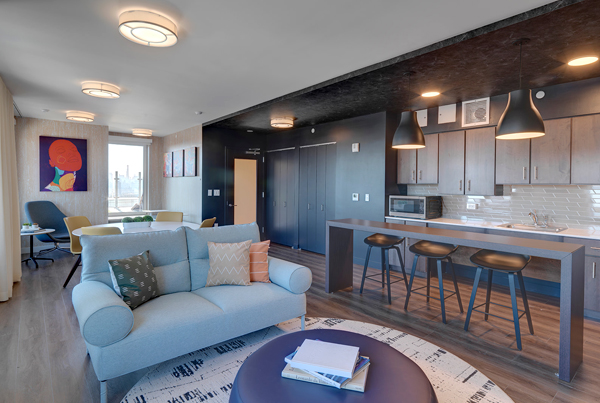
x,y
168,165
63,164
189,163
178,163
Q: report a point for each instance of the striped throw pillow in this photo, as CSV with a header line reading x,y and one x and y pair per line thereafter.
x,y
229,263
259,263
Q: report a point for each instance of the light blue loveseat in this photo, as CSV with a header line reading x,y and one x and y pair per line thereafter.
x,y
187,315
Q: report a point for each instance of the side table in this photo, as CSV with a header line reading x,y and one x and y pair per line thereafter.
x,y
30,235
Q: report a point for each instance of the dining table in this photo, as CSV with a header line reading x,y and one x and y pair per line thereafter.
x,y
154,226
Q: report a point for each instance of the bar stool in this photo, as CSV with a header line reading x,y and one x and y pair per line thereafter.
x,y
439,252
511,264
385,242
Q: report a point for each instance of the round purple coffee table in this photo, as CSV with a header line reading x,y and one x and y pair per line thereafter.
x,y
392,376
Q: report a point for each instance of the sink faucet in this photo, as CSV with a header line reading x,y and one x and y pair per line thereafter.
x,y
534,217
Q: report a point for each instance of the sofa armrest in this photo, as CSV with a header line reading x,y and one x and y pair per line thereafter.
x,y
291,276
103,316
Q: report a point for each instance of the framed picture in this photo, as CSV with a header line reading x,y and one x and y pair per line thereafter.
x,y
168,165
63,164
189,161
177,163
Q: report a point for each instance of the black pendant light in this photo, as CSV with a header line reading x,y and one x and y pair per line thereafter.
x,y
521,119
408,134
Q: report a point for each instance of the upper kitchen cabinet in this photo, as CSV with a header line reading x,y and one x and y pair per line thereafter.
x,y
551,154
480,152
419,166
512,161
585,149
452,163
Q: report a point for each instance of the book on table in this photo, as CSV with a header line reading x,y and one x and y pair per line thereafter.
x,y
357,383
329,358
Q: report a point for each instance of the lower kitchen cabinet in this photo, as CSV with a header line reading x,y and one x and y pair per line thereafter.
x,y
592,286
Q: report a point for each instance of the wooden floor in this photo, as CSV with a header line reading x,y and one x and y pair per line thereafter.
x,y
43,358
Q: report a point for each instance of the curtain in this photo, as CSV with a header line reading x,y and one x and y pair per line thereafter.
x,y
10,239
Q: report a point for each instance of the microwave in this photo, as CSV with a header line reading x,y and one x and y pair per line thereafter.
x,y
421,207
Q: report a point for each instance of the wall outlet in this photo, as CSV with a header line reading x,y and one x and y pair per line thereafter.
x,y
472,206
217,192
355,147
210,192
354,196
367,197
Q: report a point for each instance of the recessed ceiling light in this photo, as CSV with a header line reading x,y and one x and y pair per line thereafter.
x,y
100,90
148,28
250,131
45,110
582,61
78,116
430,94
198,112
142,132
282,123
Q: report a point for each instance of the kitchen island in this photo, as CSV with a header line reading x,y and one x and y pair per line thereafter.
x,y
339,270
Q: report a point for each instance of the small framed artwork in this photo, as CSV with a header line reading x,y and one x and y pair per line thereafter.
x,y
177,163
189,161
63,164
168,165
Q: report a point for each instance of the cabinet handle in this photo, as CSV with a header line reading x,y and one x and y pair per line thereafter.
x,y
420,174
309,206
594,270
593,247
535,170
524,172
460,184
284,204
322,207
413,174
469,185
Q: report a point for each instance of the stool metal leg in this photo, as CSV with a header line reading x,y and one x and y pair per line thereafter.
x,y
402,266
428,264
362,283
412,276
513,298
441,281
382,268
489,293
387,269
456,290
525,303
473,295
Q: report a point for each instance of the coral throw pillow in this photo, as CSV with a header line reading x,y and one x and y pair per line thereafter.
x,y
229,263
259,263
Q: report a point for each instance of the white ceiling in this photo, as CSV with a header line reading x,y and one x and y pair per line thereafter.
x,y
231,54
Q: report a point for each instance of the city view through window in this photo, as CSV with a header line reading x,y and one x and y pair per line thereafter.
x,y
125,179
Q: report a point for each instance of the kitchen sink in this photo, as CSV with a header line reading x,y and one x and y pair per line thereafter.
x,y
531,227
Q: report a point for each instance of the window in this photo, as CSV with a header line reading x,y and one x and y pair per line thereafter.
x,y
127,173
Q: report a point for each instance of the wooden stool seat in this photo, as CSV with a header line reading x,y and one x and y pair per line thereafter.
x,y
434,250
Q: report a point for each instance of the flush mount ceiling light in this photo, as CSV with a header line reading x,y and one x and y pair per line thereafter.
x,y
582,61
78,116
100,90
430,94
282,123
521,119
148,28
408,135
142,132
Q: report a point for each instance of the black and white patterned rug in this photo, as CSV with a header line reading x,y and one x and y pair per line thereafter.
x,y
207,375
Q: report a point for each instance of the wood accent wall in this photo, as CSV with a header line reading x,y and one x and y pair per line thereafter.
x,y
93,203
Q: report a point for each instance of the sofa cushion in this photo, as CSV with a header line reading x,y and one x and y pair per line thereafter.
x,y
229,263
168,255
197,243
134,279
259,262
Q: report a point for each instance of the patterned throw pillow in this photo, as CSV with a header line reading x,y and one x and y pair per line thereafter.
x,y
229,263
134,279
259,262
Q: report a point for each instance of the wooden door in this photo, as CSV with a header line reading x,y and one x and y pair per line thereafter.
x,y
512,162
303,199
592,284
551,154
427,161
321,202
585,149
480,161
407,166
452,163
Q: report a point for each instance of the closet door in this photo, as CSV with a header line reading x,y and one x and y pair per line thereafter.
x,y
303,200
311,190
321,204
282,199
270,195
291,212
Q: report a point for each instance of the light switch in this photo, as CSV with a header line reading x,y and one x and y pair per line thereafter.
x,y
217,192
210,192
367,197
355,147
354,196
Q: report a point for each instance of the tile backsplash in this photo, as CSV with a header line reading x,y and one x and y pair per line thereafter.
x,y
574,206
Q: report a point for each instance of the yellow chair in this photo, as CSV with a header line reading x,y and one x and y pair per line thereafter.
x,y
99,231
172,216
209,222
72,224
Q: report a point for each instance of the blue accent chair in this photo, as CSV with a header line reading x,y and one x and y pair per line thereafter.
x,y
47,215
